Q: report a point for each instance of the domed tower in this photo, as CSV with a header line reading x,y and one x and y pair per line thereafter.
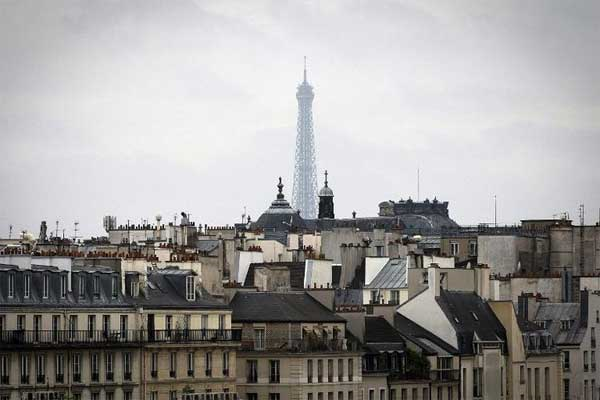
x,y
326,201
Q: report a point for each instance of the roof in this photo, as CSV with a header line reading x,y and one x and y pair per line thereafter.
x,y
297,271
207,246
279,307
420,336
472,319
348,297
378,330
392,276
280,216
554,313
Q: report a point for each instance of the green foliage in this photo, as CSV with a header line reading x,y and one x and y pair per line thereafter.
x,y
417,365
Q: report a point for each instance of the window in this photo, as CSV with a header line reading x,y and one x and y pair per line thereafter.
x,y
350,370
340,396
91,325
593,360
522,374
124,327
340,370
2,323
319,371
45,286
190,288
472,248
37,326
566,360
76,366
374,297
593,337
454,248
127,366
27,285
382,394
474,316
106,324
154,365
329,370
59,367
371,394
81,285
273,371
96,286
259,339
252,396
221,321
565,324
547,381
585,361
252,371
154,395
190,363
114,287
208,363
72,326
204,322
4,370
274,396
128,395
395,297
24,368
109,396
11,285
425,278
168,324
94,367
21,324
477,382
173,364
95,396
40,368
425,393
225,363
63,286
108,366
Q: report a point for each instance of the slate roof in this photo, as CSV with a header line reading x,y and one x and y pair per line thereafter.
x,y
554,313
364,224
279,307
348,297
297,271
207,246
471,317
392,276
430,343
378,330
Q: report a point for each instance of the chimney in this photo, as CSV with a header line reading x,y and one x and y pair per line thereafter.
x,y
583,307
482,281
433,278
566,283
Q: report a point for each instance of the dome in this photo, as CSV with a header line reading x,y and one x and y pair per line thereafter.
x,y
280,216
326,190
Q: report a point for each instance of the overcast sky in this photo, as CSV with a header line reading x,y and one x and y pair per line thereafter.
x,y
133,108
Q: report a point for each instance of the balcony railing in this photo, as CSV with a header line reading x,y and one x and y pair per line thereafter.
x,y
117,337
445,375
296,346
210,396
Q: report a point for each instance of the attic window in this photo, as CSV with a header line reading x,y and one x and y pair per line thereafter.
x,y
81,286
565,324
474,316
27,286
96,286
114,287
190,288
45,286
456,320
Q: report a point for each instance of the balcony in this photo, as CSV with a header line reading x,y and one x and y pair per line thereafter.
x,y
445,375
308,345
40,379
210,396
60,378
4,380
53,338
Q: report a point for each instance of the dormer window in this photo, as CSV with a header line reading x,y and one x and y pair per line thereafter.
x,y
96,286
81,286
11,285
565,324
474,316
456,320
46,286
27,286
134,288
190,288
114,287
63,286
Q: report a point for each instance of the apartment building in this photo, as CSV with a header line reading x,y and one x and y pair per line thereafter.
x,y
293,348
95,334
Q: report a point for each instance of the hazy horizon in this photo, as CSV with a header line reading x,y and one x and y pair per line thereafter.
x,y
137,108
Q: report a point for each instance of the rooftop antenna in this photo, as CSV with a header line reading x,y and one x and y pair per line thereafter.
x,y
75,230
495,211
418,184
56,233
10,228
244,215
304,69
581,237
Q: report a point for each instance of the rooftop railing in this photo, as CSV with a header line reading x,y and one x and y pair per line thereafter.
x,y
296,345
116,337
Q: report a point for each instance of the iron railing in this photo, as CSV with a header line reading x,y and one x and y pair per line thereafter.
x,y
296,345
116,337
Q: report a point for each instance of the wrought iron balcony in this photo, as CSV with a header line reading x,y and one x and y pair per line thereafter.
x,y
114,337
296,345
210,396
